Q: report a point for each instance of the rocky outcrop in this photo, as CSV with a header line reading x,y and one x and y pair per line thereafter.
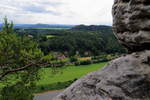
x,y
131,23
126,78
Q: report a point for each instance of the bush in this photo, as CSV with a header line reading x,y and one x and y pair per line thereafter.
x,y
54,86
98,57
73,59
77,63
19,91
103,60
86,62
58,63
110,57
96,61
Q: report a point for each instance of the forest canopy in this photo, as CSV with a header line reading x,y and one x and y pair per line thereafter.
x,y
81,39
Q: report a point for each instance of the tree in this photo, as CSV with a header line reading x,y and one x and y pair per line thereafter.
x,y
20,60
7,27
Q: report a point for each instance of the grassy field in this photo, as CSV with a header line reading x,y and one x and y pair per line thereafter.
x,y
60,78
66,73
50,36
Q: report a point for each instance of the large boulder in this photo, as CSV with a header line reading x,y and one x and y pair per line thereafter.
x,y
125,78
131,23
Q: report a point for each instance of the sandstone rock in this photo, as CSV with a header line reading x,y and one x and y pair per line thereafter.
x,y
131,23
126,78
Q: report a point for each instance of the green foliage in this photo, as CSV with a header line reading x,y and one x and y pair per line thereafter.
x,y
54,86
86,62
7,27
19,91
18,56
72,42
50,36
16,52
73,59
86,40
58,63
104,57
77,63
48,57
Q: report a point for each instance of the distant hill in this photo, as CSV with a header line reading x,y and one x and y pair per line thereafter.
x,y
72,27
41,26
91,27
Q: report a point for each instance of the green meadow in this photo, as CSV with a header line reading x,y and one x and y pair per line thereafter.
x,y
60,78
49,75
50,36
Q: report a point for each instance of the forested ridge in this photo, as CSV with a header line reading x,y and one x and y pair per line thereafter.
x,y
81,39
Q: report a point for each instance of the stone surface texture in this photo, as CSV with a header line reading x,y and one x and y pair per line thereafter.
x,y
125,78
131,23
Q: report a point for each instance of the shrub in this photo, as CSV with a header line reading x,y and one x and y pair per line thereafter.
x,y
73,59
86,62
58,63
19,91
103,60
96,61
77,63
54,86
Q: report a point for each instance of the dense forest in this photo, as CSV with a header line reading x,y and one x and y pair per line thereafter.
x,y
83,40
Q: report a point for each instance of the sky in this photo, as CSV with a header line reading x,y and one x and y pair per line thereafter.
x,y
73,12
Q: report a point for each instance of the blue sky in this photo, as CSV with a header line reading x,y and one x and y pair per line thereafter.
x,y
57,11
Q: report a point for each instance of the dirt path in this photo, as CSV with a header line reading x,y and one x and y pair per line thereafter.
x,y
47,95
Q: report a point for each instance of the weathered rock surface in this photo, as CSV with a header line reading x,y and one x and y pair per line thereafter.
x,y
131,23
126,78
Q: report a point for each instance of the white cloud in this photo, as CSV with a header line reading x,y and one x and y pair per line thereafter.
x,y
57,11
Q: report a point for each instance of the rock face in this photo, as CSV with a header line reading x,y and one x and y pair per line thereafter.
x,y
126,78
131,23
